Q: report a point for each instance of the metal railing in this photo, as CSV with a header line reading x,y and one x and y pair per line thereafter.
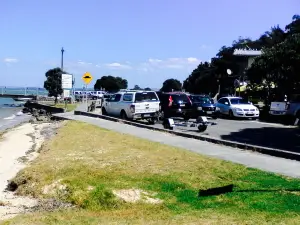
x,y
9,90
36,91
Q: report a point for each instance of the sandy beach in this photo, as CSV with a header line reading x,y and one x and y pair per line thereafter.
x,y
18,147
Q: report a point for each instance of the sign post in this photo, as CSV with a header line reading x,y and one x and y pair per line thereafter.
x,y
236,85
87,78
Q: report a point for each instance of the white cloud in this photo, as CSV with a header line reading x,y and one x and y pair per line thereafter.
x,y
192,60
171,63
80,62
204,46
10,60
116,65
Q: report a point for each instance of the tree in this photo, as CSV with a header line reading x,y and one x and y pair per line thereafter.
x,y
147,89
110,83
279,64
294,26
171,85
137,87
271,38
202,80
53,82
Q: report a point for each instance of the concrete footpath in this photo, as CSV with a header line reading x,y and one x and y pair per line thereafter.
x,y
247,158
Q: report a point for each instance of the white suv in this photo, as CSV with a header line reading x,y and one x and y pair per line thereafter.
x,y
137,105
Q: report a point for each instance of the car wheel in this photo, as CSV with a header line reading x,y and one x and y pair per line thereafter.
x,y
231,116
202,128
164,115
186,118
123,115
104,113
160,115
151,121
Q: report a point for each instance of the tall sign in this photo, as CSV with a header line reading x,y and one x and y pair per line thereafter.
x,y
87,78
67,84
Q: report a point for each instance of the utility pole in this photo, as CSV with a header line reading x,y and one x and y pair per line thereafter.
x,y
62,59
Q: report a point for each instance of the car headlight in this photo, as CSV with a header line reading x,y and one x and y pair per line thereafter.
x,y
199,108
238,110
256,109
217,109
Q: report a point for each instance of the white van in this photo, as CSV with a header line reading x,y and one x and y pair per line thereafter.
x,y
136,105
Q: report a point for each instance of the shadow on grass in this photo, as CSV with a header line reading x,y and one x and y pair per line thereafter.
x,y
229,189
255,191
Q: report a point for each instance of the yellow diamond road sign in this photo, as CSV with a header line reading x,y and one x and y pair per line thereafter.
x,y
87,78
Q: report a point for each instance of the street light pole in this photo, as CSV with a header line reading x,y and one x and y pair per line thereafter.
x,y
62,58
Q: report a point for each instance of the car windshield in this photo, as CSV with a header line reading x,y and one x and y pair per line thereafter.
x,y
145,96
201,99
237,101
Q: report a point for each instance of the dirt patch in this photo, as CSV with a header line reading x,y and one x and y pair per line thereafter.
x,y
136,195
22,143
14,205
50,205
54,188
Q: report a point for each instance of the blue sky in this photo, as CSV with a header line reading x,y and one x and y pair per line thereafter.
x,y
144,41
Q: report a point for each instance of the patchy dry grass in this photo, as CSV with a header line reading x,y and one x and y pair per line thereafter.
x,y
86,165
70,107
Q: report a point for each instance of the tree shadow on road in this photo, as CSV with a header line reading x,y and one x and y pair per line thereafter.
x,y
272,137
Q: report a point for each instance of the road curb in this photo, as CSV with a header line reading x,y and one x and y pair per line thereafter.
x,y
58,118
242,146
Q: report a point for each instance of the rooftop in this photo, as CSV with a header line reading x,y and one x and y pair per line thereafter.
x,y
247,52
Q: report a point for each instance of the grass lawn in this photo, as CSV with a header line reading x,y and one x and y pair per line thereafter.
x,y
70,107
94,163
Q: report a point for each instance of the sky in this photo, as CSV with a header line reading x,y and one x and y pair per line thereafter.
x,y
143,41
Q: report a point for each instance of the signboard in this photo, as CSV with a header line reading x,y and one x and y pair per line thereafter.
x,y
66,81
87,78
66,93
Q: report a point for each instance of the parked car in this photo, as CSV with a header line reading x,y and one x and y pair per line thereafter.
x,y
175,104
237,107
278,108
136,105
293,108
203,105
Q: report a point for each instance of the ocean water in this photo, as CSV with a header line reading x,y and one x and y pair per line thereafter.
x,y
9,116
8,107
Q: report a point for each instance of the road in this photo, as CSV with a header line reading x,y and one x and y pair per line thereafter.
x,y
247,158
252,132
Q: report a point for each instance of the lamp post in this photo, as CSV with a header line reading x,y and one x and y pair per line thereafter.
x,y
62,58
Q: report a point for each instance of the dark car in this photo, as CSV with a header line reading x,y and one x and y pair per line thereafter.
x,y
203,105
175,104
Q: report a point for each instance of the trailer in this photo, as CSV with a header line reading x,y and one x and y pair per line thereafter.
x,y
201,123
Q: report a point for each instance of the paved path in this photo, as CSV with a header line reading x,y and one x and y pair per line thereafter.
x,y
247,158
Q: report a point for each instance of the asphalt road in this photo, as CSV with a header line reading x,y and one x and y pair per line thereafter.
x,y
251,132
